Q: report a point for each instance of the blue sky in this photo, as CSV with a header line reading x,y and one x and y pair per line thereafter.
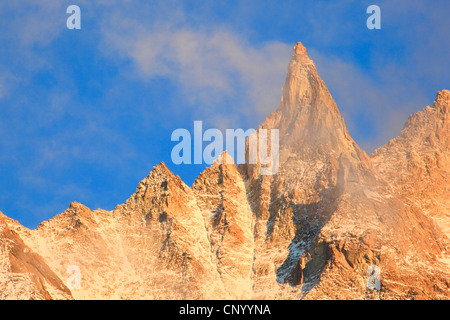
x,y
85,114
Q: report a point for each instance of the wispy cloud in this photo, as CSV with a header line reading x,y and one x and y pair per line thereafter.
x,y
386,105
33,22
400,76
208,65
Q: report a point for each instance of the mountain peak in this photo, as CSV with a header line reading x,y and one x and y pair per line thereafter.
x,y
307,117
299,52
161,167
224,158
443,100
77,206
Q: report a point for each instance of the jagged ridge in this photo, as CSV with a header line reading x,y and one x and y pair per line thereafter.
x,y
310,231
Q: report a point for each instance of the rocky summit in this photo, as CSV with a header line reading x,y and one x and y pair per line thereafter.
x,y
332,223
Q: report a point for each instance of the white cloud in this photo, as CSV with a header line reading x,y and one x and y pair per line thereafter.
x,y
207,65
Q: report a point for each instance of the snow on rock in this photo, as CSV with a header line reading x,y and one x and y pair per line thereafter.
x,y
311,231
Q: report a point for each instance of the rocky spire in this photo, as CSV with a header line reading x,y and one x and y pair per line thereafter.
x,y
443,101
307,116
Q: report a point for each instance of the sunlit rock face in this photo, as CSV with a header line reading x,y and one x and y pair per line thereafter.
x,y
312,230
24,275
417,162
328,215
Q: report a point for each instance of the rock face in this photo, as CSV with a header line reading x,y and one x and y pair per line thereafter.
x,y
222,198
332,223
155,246
417,162
24,274
327,215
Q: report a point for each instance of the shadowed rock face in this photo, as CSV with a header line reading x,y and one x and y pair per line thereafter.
x,y
310,231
